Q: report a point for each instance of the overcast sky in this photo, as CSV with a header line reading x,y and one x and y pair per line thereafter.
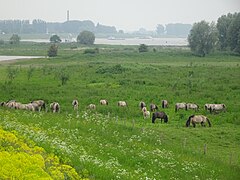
x,y
123,14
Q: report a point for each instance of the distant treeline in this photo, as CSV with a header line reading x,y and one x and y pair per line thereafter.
x,y
40,26
76,26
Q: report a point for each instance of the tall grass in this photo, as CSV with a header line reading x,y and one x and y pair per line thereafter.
x,y
117,143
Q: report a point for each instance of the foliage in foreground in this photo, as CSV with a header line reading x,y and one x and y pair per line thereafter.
x,y
18,160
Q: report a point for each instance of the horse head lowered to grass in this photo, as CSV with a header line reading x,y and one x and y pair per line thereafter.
x,y
197,119
160,115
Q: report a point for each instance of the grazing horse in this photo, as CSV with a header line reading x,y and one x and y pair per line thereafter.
x,y
146,113
153,107
122,103
75,104
180,106
55,107
217,108
142,105
2,104
30,107
92,106
164,104
160,115
208,106
197,119
103,102
40,103
195,107
10,104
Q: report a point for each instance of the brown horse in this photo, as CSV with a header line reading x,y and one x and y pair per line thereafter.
x,y
160,115
197,119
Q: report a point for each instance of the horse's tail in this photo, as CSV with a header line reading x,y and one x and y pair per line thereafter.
x,y
163,104
166,119
156,106
209,122
186,107
153,118
175,108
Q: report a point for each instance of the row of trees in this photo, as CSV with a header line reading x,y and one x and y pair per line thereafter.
x,y
40,26
204,37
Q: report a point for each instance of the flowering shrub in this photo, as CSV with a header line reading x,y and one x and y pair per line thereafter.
x,y
20,161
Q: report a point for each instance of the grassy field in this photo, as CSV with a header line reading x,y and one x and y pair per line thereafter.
x,y
117,143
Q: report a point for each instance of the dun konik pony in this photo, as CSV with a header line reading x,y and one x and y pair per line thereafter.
x,y
153,107
197,119
122,103
146,113
40,103
195,107
164,104
75,104
160,115
142,105
180,106
10,104
55,107
217,108
103,102
92,106
208,106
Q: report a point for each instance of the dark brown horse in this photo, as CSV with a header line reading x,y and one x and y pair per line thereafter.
x,y
160,115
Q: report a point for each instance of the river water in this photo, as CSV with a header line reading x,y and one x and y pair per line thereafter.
x,y
131,41
8,58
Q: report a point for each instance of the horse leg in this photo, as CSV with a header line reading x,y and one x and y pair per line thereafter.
x,y
194,125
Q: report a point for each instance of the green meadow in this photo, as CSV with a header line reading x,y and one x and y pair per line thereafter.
x,y
117,143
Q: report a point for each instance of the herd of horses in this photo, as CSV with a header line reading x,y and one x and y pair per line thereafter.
x,y
39,105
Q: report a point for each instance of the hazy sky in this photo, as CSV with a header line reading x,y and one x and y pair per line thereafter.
x,y
123,14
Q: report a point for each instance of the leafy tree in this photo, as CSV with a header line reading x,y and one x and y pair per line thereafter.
x,y
86,37
52,52
223,24
233,34
55,39
15,39
143,48
202,38
160,29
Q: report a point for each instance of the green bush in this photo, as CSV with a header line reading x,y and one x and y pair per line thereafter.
x,y
91,51
52,52
143,48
